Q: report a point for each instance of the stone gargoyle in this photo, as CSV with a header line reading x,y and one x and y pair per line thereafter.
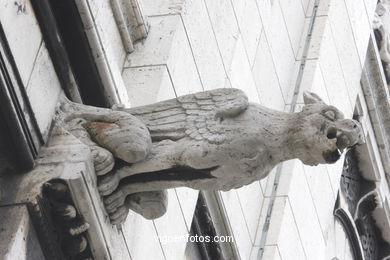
x,y
213,140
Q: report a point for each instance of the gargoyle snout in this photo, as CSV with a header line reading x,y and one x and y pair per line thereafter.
x,y
348,133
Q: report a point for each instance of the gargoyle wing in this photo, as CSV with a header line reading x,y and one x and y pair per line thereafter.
x,y
197,116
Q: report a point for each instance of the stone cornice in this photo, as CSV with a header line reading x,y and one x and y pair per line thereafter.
x,y
377,96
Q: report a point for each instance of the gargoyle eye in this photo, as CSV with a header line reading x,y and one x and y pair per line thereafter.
x,y
331,115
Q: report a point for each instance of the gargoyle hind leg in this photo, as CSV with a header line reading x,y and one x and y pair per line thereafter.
x,y
122,199
149,204
162,156
121,133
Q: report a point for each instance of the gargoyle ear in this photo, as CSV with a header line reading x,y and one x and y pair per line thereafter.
x,y
311,98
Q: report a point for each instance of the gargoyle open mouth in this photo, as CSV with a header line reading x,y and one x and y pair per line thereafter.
x,y
342,139
332,156
342,142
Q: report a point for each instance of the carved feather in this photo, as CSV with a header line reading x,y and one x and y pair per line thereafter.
x,y
196,116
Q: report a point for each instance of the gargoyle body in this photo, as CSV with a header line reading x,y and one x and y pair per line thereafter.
x,y
213,140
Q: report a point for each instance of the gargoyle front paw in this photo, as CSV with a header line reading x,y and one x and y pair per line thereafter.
x,y
114,201
108,184
103,160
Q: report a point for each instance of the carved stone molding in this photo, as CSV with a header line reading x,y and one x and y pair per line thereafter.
x,y
63,202
381,25
377,97
131,22
213,140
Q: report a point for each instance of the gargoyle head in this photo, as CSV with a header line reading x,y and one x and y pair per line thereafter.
x,y
324,132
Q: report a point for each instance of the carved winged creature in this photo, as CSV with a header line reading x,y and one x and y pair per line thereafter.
x,y
213,140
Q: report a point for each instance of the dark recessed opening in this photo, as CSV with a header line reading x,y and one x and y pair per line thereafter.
x,y
68,45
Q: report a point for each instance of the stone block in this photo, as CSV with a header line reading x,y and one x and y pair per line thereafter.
x,y
249,22
294,17
322,9
147,85
109,35
225,27
270,253
305,5
43,90
305,214
163,7
346,48
139,232
172,229
23,35
157,47
333,75
120,86
322,194
334,171
203,45
261,229
187,199
112,45
287,171
167,44
284,180
19,240
280,46
370,8
361,26
263,184
317,35
251,199
304,38
265,10
325,7
237,223
312,80
265,77
95,6
283,231
269,183
240,73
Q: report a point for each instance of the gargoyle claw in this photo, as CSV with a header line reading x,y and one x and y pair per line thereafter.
x,y
103,160
114,201
108,184
119,216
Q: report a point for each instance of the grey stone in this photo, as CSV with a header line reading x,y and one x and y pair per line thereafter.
x,y
163,145
381,23
17,234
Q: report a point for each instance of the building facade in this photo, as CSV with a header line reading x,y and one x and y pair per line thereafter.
x,y
136,52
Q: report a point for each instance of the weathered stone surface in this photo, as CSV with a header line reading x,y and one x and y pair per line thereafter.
x,y
64,159
17,234
213,140
382,27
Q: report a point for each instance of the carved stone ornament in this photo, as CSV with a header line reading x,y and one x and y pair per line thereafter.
x,y
381,25
213,140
